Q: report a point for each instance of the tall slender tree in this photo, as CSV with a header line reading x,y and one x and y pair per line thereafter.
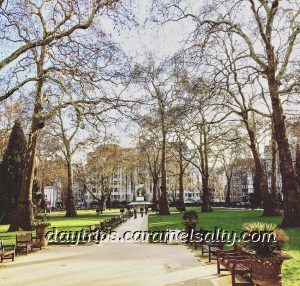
x,y
11,172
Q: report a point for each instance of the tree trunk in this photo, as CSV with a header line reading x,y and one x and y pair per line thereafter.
x,y
180,203
103,201
206,207
228,192
24,217
298,162
154,192
163,200
290,187
70,204
263,194
132,188
274,193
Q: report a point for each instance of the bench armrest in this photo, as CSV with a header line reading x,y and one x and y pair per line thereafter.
x,y
215,243
244,261
221,253
235,257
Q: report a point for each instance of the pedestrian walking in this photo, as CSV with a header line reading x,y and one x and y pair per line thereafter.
x,y
142,212
134,212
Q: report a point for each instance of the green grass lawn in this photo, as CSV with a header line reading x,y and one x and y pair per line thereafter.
x,y
57,219
233,220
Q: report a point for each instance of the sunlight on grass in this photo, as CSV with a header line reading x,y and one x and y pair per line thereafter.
x,y
84,219
233,220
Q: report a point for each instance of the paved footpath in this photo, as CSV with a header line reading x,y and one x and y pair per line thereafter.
x,y
113,263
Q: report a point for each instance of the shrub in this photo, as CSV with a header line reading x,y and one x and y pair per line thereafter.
x,y
190,216
271,245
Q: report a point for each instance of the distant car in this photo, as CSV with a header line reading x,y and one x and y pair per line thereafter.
x,y
189,201
243,204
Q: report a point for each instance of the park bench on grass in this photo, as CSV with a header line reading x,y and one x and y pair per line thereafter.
x,y
25,242
239,265
116,221
211,248
105,226
109,224
236,261
197,237
7,251
223,256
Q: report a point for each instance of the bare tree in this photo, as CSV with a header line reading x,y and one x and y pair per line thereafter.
x,y
272,55
66,132
28,26
64,80
229,150
156,81
101,167
149,145
179,151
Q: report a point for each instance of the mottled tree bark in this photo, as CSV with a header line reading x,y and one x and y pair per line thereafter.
x,y
206,207
290,183
269,205
163,200
228,191
103,200
274,192
23,217
290,186
180,203
154,192
70,203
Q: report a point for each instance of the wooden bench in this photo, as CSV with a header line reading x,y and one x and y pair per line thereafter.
x,y
25,242
7,251
224,255
105,226
211,248
239,265
236,261
199,238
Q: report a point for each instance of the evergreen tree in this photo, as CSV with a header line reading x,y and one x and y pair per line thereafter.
x,y
11,172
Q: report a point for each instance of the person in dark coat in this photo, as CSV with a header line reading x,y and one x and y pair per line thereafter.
x,y
146,210
134,212
142,212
